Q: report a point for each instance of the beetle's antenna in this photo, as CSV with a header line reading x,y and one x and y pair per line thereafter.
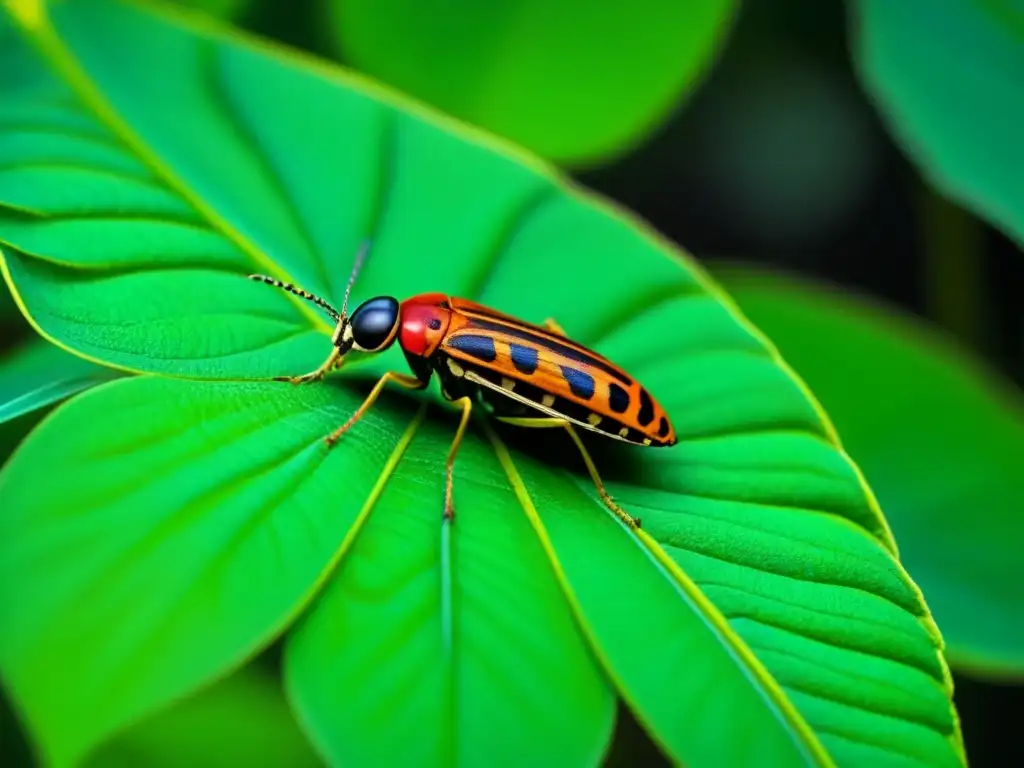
x,y
364,248
299,292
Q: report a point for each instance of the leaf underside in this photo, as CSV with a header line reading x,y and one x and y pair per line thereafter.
x,y
768,618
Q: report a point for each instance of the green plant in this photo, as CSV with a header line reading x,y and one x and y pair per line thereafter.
x,y
190,514
939,437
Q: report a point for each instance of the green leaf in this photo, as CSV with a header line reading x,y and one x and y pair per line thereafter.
x,y
939,437
472,651
572,81
959,116
36,374
768,603
241,720
222,9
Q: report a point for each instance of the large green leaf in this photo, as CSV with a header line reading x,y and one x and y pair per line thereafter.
x,y
939,437
948,79
573,80
191,522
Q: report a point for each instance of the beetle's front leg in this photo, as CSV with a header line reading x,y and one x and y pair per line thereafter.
x,y
334,360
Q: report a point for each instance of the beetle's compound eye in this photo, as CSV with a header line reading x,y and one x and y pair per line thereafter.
x,y
375,323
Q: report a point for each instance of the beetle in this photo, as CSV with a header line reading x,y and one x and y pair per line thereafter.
x,y
525,374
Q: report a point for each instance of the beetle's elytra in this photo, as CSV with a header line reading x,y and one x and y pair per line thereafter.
x,y
528,375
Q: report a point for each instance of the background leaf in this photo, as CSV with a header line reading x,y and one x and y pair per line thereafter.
x,y
37,373
241,720
947,78
778,565
573,81
939,438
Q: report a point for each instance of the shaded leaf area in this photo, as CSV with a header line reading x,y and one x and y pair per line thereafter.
x,y
241,720
939,437
571,81
36,374
242,515
960,117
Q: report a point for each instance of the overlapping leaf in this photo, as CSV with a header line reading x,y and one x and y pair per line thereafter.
x,y
190,522
36,374
574,81
948,77
940,440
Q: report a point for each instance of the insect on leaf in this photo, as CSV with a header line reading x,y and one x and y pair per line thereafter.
x,y
192,522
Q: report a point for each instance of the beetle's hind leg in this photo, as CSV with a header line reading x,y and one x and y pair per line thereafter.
x,y
623,515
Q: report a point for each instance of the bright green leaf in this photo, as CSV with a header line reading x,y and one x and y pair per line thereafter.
x,y
36,374
940,439
948,77
189,523
242,720
573,81
440,647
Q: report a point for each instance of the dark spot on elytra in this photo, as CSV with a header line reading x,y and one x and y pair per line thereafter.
x,y
434,324
525,359
663,427
646,414
580,384
480,347
618,398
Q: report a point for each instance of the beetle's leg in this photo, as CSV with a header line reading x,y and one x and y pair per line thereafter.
x,y
409,382
333,360
554,327
628,519
467,408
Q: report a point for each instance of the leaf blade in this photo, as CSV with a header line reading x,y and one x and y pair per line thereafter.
x,y
971,445
958,118
392,668
176,552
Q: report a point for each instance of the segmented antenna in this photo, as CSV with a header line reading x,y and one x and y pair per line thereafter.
x,y
300,292
364,248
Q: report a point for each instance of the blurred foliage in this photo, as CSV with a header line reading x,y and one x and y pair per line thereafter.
x,y
242,720
939,437
948,76
222,9
426,642
576,82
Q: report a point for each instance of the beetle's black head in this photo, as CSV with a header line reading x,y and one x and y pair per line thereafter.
x,y
372,327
